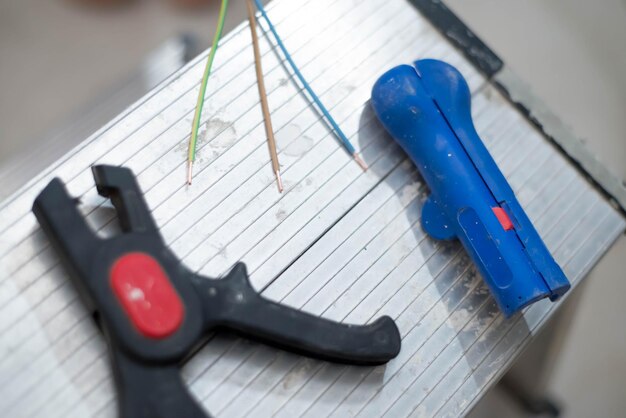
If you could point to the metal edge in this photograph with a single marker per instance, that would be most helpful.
(520, 95)
(537, 113)
(459, 35)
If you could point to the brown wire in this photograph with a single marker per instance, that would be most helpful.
(271, 141)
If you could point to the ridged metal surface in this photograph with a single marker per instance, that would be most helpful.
(340, 243)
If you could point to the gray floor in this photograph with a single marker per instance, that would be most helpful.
(57, 58)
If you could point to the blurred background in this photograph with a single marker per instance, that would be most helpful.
(67, 67)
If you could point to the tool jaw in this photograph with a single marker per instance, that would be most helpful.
(91, 260)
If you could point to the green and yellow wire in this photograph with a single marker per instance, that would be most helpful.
(193, 140)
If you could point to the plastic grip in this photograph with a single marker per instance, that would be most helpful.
(247, 312)
(426, 108)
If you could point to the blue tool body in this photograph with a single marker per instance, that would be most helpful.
(426, 109)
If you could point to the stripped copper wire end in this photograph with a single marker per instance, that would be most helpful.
(279, 181)
(189, 172)
(360, 161)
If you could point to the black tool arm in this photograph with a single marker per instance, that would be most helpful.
(65, 226)
(119, 184)
(151, 390)
(233, 303)
(59, 217)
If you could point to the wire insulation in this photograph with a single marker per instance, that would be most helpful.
(342, 137)
(269, 130)
(193, 140)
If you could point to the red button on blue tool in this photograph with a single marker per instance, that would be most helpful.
(503, 217)
(146, 294)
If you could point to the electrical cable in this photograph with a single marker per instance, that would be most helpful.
(342, 137)
(271, 141)
(193, 139)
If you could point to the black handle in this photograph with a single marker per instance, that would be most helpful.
(242, 309)
(151, 390)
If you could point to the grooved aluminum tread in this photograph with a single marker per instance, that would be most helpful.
(339, 243)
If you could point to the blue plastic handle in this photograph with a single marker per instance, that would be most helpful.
(426, 109)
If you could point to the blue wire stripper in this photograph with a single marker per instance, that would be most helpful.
(426, 109)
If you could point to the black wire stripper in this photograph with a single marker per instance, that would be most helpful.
(155, 312)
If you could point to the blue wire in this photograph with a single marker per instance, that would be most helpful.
(331, 121)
